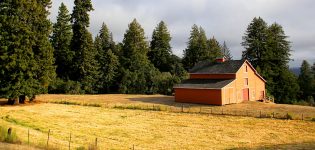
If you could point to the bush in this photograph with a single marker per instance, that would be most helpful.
(310, 100)
(289, 116)
(303, 103)
(60, 86)
(164, 82)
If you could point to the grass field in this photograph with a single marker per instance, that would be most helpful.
(167, 102)
(141, 129)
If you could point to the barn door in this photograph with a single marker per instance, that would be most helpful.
(246, 94)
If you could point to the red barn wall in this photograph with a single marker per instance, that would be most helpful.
(201, 96)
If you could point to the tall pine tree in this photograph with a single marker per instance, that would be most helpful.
(226, 52)
(214, 49)
(61, 38)
(267, 48)
(85, 67)
(137, 72)
(108, 61)
(197, 47)
(254, 41)
(306, 80)
(43, 50)
(26, 54)
(160, 48)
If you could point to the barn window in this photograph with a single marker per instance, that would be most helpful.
(246, 81)
(245, 68)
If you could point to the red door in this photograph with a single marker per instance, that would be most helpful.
(245, 94)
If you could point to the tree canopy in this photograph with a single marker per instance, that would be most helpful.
(60, 39)
(268, 50)
(26, 54)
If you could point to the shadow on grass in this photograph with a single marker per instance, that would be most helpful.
(292, 146)
(3, 101)
(165, 100)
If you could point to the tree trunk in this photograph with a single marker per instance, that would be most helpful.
(13, 101)
(33, 98)
(22, 99)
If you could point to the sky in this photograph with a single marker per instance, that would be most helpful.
(226, 20)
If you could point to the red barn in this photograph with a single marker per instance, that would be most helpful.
(221, 82)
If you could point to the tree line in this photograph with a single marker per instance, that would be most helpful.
(38, 56)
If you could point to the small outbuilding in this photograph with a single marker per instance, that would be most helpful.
(221, 82)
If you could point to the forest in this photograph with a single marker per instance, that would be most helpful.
(38, 56)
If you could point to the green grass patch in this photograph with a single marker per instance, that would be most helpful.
(6, 137)
(10, 119)
(138, 107)
(76, 103)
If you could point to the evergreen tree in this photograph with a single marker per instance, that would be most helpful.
(60, 40)
(254, 41)
(26, 67)
(137, 72)
(43, 50)
(306, 80)
(214, 49)
(226, 52)
(107, 59)
(160, 48)
(85, 67)
(197, 47)
(287, 87)
(267, 48)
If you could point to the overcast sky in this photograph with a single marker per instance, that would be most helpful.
(226, 20)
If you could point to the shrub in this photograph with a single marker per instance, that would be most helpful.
(310, 100)
(60, 86)
(303, 103)
(289, 116)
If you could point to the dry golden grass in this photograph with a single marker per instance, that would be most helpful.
(121, 129)
(7, 146)
(167, 102)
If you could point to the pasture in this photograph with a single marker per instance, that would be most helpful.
(144, 129)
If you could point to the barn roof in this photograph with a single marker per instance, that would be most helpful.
(204, 83)
(231, 66)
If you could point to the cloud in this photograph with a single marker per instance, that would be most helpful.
(227, 20)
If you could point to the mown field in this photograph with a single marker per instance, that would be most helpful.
(168, 103)
(143, 129)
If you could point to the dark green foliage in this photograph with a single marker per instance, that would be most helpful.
(85, 67)
(160, 48)
(43, 50)
(197, 47)
(306, 80)
(164, 82)
(135, 48)
(177, 68)
(226, 52)
(60, 86)
(137, 72)
(214, 49)
(60, 40)
(88, 67)
(254, 41)
(268, 50)
(27, 60)
(287, 88)
(108, 61)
